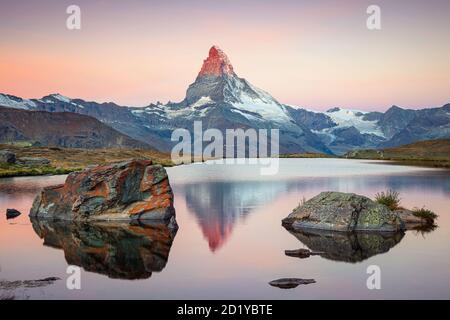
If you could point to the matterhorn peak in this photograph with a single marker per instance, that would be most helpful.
(217, 82)
(216, 64)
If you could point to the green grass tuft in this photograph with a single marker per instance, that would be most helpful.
(425, 214)
(390, 198)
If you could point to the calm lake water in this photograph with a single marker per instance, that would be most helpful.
(230, 241)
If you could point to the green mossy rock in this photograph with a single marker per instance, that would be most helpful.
(347, 212)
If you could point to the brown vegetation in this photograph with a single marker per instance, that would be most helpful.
(64, 160)
(434, 153)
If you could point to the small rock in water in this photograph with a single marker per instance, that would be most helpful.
(411, 221)
(300, 253)
(12, 213)
(337, 211)
(12, 285)
(290, 283)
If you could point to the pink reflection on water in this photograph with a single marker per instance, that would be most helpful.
(231, 243)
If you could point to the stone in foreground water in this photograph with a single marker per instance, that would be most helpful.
(337, 211)
(12, 213)
(290, 283)
(130, 190)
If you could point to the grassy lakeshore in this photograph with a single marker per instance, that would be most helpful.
(430, 153)
(306, 155)
(64, 160)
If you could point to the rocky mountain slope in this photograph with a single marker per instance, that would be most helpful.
(61, 129)
(221, 99)
(342, 130)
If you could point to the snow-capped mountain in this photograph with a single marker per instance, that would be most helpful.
(10, 101)
(342, 129)
(221, 99)
(353, 118)
(217, 82)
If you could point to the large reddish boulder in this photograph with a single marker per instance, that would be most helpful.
(131, 190)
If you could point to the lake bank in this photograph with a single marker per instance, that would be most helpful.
(429, 153)
(66, 160)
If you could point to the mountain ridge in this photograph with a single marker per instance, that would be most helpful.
(62, 129)
(221, 99)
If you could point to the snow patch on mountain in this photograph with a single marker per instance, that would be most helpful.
(138, 112)
(201, 102)
(190, 112)
(61, 98)
(267, 111)
(257, 101)
(247, 115)
(10, 101)
(326, 136)
(345, 118)
(77, 105)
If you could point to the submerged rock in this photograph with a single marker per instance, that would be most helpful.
(12, 285)
(411, 221)
(131, 190)
(290, 283)
(119, 250)
(347, 212)
(301, 253)
(347, 246)
(12, 213)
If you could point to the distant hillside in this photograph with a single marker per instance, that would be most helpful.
(61, 129)
(430, 152)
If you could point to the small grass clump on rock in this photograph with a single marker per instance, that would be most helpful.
(390, 198)
(425, 214)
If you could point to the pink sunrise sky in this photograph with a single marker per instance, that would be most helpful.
(315, 54)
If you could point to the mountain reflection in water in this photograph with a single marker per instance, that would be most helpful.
(117, 249)
(219, 205)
